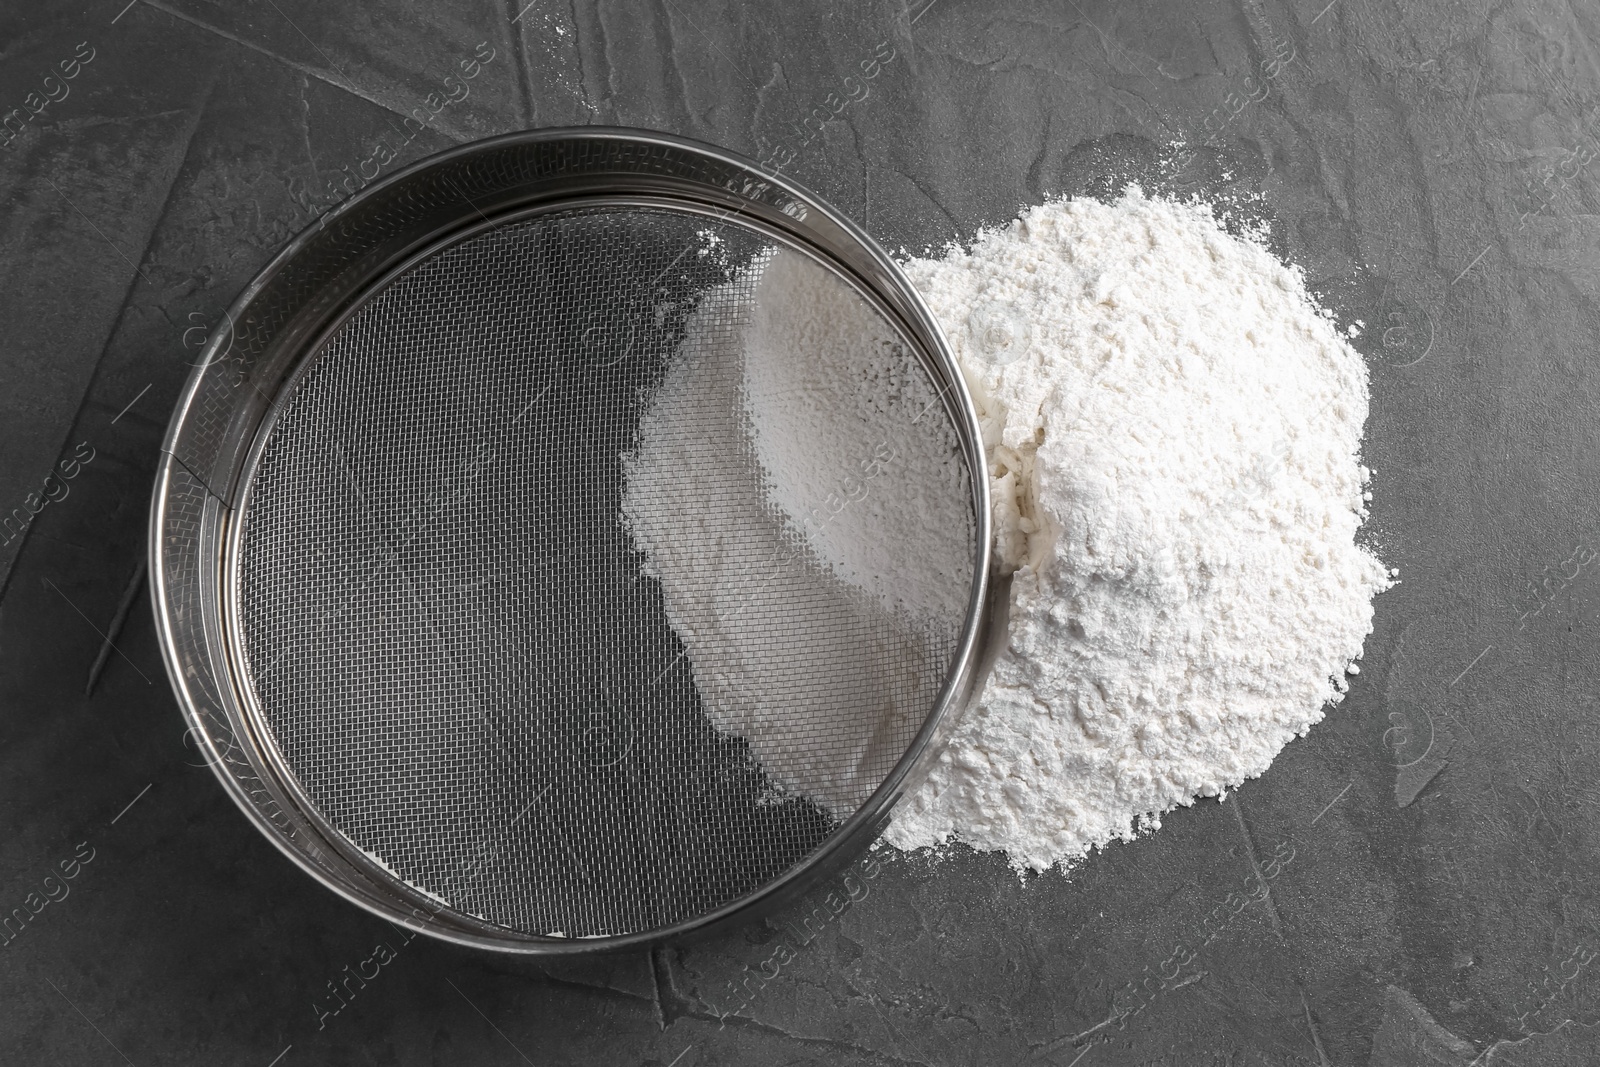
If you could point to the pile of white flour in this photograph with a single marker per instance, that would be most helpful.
(1173, 431)
(1173, 434)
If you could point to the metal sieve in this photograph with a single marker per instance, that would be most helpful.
(411, 622)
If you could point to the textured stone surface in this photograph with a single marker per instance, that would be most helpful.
(1430, 165)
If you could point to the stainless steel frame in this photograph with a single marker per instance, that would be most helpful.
(305, 292)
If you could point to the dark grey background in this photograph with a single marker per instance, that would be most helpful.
(1429, 164)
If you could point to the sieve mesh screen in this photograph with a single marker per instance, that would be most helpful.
(459, 649)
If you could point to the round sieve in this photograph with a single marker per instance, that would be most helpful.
(577, 538)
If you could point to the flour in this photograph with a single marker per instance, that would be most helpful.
(1173, 431)
(832, 398)
(771, 494)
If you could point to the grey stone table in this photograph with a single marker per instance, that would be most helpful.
(1430, 848)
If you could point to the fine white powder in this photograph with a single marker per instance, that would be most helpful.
(780, 437)
(833, 404)
(1173, 431)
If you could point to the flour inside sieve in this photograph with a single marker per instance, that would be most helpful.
(804, 484)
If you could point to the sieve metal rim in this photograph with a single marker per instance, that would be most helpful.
(233, 538)
(190, 564)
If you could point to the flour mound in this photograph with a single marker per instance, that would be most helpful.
(1173, 431)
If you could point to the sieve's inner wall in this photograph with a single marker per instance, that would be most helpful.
(445, 624)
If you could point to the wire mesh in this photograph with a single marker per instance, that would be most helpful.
(462, 654)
